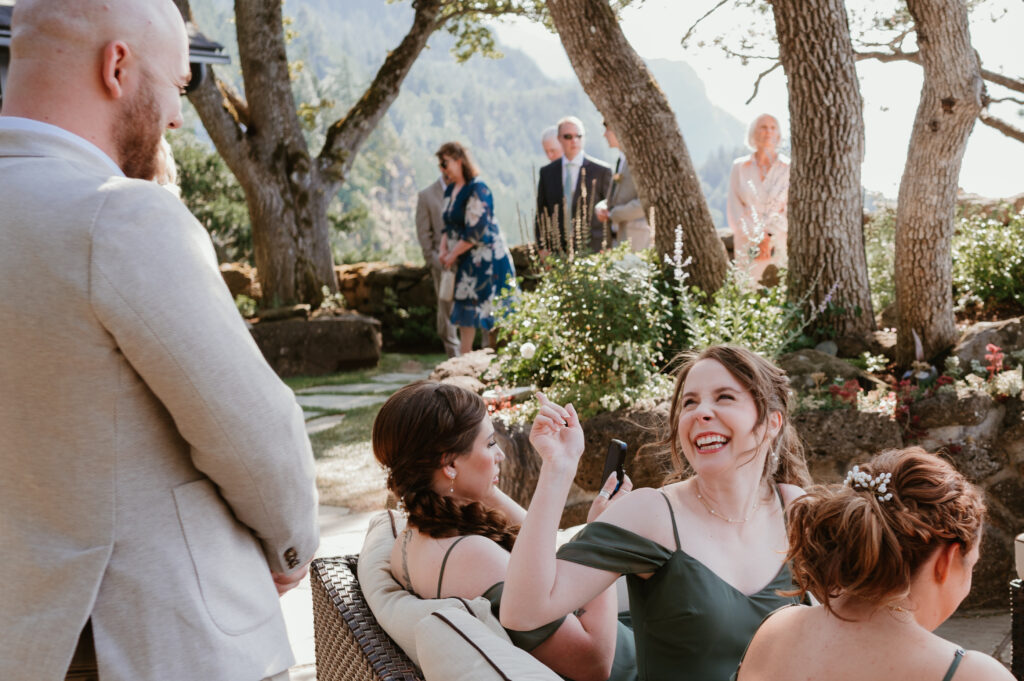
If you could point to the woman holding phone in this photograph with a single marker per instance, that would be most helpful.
(705, 554)
(439, 448)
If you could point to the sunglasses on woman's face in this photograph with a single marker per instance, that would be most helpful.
(570, 136)
(443, 163)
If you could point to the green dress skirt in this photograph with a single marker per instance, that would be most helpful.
(688, 623)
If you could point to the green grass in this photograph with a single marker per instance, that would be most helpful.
(347, 473)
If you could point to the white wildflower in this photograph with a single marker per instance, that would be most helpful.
(527, 350)
(1008, 383)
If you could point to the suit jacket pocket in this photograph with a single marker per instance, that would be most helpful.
(234, 579)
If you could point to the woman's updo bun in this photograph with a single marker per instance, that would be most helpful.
(854, 539)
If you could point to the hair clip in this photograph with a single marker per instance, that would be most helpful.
(879, 484)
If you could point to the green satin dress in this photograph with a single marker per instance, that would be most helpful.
(688, 623)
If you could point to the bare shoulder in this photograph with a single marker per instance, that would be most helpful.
(977, 666)
(790, 493)
(778, 632)
(474, 566)
(645, 512)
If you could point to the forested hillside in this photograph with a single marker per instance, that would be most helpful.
(497, 107)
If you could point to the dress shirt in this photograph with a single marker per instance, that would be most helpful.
(19, 124)
(574, 172)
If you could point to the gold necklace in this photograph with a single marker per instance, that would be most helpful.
(712, 511)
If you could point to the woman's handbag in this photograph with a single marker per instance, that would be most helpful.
(446, 289)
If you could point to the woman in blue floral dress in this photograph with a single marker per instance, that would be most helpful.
(472, 244)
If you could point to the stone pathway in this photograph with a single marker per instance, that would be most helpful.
(325, 405)
(341, 532)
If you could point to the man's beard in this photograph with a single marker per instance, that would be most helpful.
(137, 134)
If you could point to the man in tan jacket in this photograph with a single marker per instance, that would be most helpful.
(157, 480)
(429, 230)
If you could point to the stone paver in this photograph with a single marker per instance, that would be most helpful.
(988, 633)
(350, 388)
(403, 378)
(322, 423)
(339, 402)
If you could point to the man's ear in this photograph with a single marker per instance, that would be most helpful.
(115, 57)
(944, 560)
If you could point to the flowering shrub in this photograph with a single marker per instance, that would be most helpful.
(988, 261)
(593, 332)
(761, 319)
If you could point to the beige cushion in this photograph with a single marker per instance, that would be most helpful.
(452, 645)
(397, 610)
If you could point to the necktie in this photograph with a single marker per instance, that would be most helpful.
(567, 184)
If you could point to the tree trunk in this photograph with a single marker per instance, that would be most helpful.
(950, 103)
(260, 138)
(827, 262)
(625, 92)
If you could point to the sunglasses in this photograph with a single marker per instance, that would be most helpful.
(570, 136)
(443, 164)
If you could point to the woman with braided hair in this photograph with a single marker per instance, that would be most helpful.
(889, 555)
(439, 448)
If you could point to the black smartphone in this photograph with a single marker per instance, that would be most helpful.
(614, 460)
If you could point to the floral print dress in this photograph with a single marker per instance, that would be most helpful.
(485, 269)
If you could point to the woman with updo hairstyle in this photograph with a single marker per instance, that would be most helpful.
(704, 555)
(439, 448)
(888, 554)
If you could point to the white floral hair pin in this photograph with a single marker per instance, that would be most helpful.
(879, 484)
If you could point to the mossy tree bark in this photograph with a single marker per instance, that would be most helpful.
(826, 235)
(951, 100)
(624, 91)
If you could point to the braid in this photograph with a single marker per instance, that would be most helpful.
(439, 516)
(418, 430)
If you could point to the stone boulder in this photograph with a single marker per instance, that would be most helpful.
(326, 345)
(241, 279)
(835, 440)
(401, 296)
(801, 365)
(996, 209)
(472, 364)
(1008, 334)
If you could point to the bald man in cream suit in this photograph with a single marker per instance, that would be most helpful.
(157, 480)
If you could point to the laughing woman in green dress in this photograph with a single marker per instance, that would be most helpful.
(705, 554)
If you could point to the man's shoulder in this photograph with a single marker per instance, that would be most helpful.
(596, 164)
(552, 167)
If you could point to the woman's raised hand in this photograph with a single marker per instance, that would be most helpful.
(557, 434)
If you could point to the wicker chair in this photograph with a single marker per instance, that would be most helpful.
(350, 644)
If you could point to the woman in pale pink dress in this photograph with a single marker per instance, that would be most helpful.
(756, 208)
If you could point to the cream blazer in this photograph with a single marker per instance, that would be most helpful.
(154, 469)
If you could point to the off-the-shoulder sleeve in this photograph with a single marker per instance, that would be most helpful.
(610, 547)
(525, 640)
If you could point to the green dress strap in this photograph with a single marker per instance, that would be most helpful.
(957, 656)
(672, 515)
(444, 561)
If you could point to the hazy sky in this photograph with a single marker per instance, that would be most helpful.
(993, 164)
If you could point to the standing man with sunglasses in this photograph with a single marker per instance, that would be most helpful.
(158, 488)
(567, 192)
